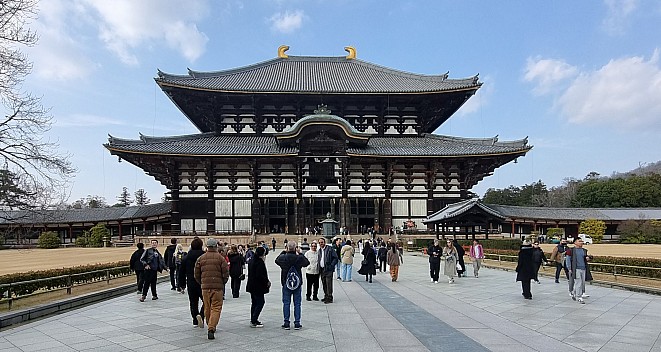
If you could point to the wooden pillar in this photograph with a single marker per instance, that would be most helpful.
(70, 233)
(175, 219)
(119, 225)
(513, 225)
(211, 202)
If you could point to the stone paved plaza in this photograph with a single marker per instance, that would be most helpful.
(411, 314)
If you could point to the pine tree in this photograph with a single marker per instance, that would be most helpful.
(124, 199)
(141, 197)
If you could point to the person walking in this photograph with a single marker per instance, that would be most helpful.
(477, 255)
(212, 273)
(177, 257)
(557, 256)
(153, 262)
(579, 270)
(187, 277)
(168, 256)
(434, 251)
(273, 242)
(327, 262)
(337, 247)
(290, 262)
(460, 257)
(538, 258)
(525, 269)
(394, 259)
(382, 254)
(137, 266)
(450, 257)
(368, 265)
(258, 285)
(236, 263)
(312, 273)
(346, 256)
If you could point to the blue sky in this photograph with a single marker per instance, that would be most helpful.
(581, 79)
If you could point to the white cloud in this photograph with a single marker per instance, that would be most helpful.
(625, 93)
(547, 73)
(287, 22)
(57, 55)
(618, 12)
(125, 25)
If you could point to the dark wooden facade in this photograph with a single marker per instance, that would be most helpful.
(271, 158)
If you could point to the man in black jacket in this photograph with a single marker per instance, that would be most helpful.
(137, 266)
(291, 279)
(169, 261)
(187, 277)
(435, 252)
(153, 262)
(327, 261)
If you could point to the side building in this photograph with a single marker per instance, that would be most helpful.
(286, 141)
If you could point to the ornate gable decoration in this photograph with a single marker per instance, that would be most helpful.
(322, 128)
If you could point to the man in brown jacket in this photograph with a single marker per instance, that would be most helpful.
(212, 273)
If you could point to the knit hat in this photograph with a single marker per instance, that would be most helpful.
(212, 242)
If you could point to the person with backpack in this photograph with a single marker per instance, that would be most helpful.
(558, 256)
(137, 266)
(382, 254)
(177, 258)
(290, 262)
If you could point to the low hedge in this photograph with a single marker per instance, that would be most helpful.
(57, 278)
(513, 244)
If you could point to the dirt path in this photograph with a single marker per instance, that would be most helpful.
(22, 260)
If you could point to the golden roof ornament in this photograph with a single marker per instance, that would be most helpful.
(281, 51)
(352, 52)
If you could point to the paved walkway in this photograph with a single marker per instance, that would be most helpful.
(411, 314)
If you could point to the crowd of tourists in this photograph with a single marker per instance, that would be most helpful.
(204, 273)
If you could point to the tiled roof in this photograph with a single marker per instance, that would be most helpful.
(84, 215)
(209, 144)
(541, 213)
(456, 209)
(305, 74)
(615, 214)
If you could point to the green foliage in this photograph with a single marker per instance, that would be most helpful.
(81, 241)
(141, 197)
(56, 278)
(124, 198)
(526, 195)
(49, 239)
(486, 244)
(595, 228)
(640, 231)
(94, 237)
(635, 191)
(555, 231)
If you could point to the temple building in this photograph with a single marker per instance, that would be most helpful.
(286, 141)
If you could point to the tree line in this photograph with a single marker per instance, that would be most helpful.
(123, 200)
(593, 191)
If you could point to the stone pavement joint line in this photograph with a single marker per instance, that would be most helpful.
(409, 315)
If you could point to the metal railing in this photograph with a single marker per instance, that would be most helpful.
(8, 291)
(615, 269)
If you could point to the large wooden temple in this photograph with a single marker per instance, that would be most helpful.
(286, 141)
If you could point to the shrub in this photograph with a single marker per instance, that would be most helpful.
(555, 231)
(594, 228)
(97, 235)
(49, 240)
(81, 241)
(55, 278)
(639, 231)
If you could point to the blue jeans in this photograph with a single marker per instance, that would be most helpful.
(346, 272)
(286, 304)
(337, 269)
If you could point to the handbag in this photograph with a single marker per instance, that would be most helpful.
(364, 262)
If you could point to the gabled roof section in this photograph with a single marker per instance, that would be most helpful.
(324, 119)
(456, 209)
(316, 74)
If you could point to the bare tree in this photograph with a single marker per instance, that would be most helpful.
(25, 152)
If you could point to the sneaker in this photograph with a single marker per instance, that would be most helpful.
(210, 335)
(557, 282)
(435, 282)
(339, 278)
(142, 299)
(154, 298)
(308, 299)
(581, 301)
(297, 326)
(259, 324)
(315, 298)
(285, 326)
(573, 297)
(172, 289)
(432, 280)
(476, 276)
(539, 282)
(585, 295)
(451, 281)
(200, 321)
